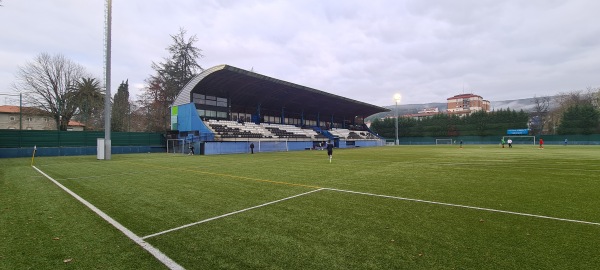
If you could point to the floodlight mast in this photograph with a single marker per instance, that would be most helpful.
(107, 96)
(397, 97)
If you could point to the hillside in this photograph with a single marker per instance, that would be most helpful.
(526, 104)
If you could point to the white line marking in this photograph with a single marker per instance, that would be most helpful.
(154, 251)
(229, 214)
(465, 206)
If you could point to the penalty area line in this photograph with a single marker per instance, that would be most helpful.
(152, 250)
(465, 206)
(229, 214)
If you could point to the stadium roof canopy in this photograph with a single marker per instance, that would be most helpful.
(247, 90)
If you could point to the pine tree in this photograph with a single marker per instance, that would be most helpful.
(579, 119)
(120, 108)
(171, 76)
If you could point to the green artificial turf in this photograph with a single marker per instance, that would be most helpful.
(329, 226)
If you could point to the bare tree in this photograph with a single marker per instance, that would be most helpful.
(540, 114)
(154, 102)
(139, 119)
(594, 94)
(564, 101)
(50, 84)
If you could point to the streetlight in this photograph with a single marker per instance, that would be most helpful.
(397, 97)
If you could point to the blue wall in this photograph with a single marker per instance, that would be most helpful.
(188, 120)
(216, 148)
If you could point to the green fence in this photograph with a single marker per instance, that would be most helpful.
(593, 139)
(54, 138)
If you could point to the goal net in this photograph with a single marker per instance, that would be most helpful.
(176, 146)
(443, 141)
(270, 146)
(520, 139)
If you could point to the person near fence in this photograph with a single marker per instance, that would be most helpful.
(251, 148)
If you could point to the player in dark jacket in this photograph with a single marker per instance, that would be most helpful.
(330, 150)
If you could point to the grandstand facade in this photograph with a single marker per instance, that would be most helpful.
(232, 107)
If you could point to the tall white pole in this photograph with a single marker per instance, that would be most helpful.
(397, 97)
(397, 140)
(107, 48)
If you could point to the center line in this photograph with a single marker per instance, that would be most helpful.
(229, 214)
(465, 206)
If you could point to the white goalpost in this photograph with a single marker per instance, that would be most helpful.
(176, 146)
(443, 141)
(269, 146)
(522, 139)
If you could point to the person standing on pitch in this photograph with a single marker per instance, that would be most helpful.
(502, 142)
(251, 148)
(541, 143)
(330, 150)
(191, 149)
(509, 143)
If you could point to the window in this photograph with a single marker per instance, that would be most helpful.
(211, 113)
(29, 119)
(221, 102)
(12, 118)
(221, 114)
(198, 99)
(210, 100)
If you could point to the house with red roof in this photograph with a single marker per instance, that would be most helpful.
(11, 117)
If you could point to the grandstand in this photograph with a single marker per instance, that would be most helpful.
(226, 105)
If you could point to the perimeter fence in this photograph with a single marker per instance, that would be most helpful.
(20, 143)
(593, 139)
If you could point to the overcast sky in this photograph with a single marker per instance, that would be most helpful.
(364, 50)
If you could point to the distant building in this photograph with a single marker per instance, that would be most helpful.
(424, 113)
(465, 104)
(33, 119)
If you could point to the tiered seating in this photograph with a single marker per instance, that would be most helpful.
(340, 132)
(233, 129)
(316, 135)
(320, 137)
(354, 136)
(369, 136)
(286, 131)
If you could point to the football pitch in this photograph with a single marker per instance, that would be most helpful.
(393, 207)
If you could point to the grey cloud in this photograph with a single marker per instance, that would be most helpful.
(365, 50)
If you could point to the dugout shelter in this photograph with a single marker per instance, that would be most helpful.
(235, 107)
